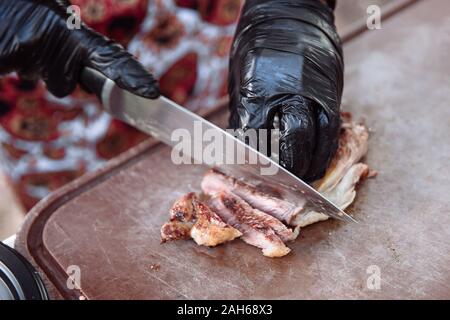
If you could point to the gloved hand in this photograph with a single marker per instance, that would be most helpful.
(36, 42)
(287, 60)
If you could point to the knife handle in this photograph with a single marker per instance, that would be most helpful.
(93, 80)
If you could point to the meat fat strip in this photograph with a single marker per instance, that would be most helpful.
(353, 145)
(342, 195)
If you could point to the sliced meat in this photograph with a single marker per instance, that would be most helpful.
(256, 230)
(238, 209)
(353, 145)
(342, 194)
(344, 172)
(182, 218)
(215, 181)
(183, 208)
(175, 230)
(191, 218)
(286, 234)
(209, 229)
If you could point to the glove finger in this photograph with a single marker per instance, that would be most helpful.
(326, 146)
(117, 64)
(62, 58)
(298, 135)
(252, 112)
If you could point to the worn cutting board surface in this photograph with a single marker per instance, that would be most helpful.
(397, 78)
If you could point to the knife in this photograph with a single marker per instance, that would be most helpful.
(161, 117)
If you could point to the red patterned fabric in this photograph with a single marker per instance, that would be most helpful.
(47, 142)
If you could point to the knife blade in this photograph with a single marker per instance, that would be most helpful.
(162, 117)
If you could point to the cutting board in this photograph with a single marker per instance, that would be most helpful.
(107, 223)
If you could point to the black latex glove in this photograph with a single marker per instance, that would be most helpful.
(36, 42)
(287, 60)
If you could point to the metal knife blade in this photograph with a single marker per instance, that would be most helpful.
(161, 117)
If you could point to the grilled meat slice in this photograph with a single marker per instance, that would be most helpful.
(286, 234)
(215, 181)
(256, 230)
(175, 230)
(191, 218)
(183, 209)
(209, 229)
(182, 219)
